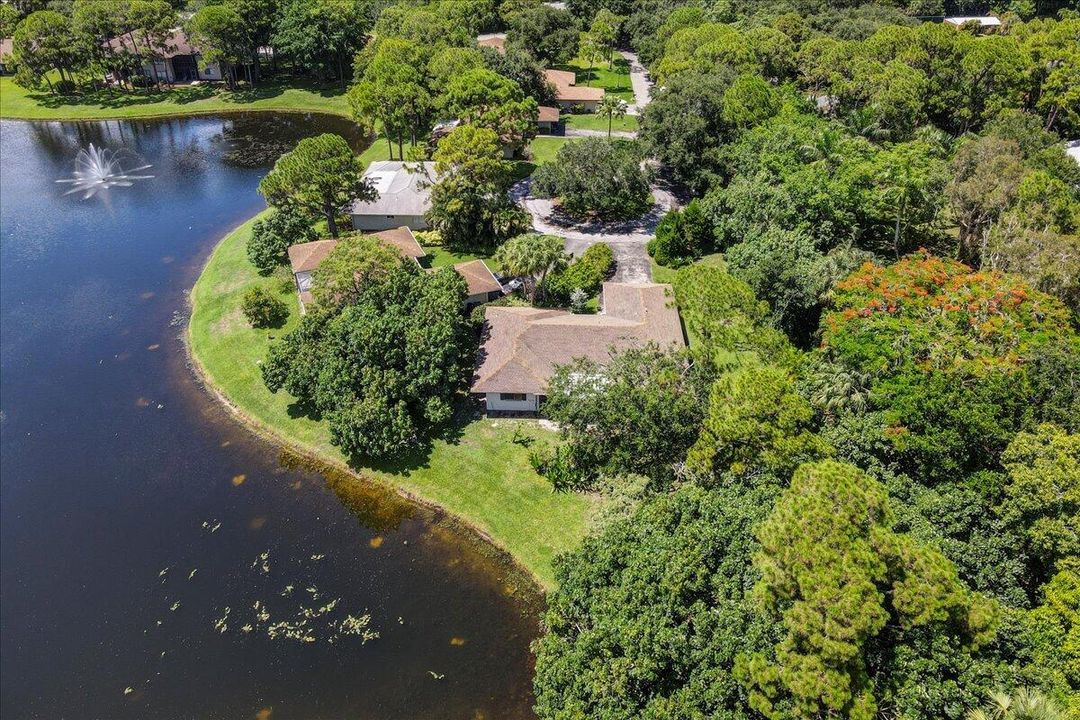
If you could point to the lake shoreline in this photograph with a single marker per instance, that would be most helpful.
(168, 107)
(291, 442)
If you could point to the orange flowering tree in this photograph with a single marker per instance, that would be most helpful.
(958, 360)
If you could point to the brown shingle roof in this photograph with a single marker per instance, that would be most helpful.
(560, 78)
(478, 277)
(497, 41)
(307, 256)
(523, 345)
(177, 44)
(548, 114)
(402, 240)
(565, 89)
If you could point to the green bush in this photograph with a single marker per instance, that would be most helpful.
(268, 246)
(64, 87)
(262, 309)
(681, 237)
(597, 177)
(141, 81)
(587, 273)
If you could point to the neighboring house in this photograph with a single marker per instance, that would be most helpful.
(180, 61)
(483, 285)
(547, 121)
(306, 257)
(5, 56)
(492, 40)
(569, 96)
(522, 345)
(403, 197)
(985, 23)
(1073, 149)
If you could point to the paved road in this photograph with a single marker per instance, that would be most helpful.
(639, 80)
(626, 239)
(583, 132)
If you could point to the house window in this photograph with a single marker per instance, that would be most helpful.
(512, 397)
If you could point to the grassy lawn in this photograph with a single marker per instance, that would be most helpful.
(627, 123)
(479, 475)
(664, 274)
(438, 256)
(18, 102)
(615, 81)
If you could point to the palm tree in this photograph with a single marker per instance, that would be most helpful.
(1023, 704)
(613, 107)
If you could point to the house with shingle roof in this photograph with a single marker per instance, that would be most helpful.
(523, 345)
(403, 196)
(304, 258)
(179, 63)
(569, 95)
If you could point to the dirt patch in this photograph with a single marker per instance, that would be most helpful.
(229, 323)
(228, 286)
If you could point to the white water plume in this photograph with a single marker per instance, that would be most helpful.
(97, 170)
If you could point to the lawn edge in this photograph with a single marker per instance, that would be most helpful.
(283, 440)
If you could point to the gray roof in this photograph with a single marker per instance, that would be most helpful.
(400, 192)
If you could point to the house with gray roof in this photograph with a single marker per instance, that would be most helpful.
(523, 345)
(403, 196)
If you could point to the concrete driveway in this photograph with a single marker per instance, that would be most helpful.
(626, 239)
(639, 80)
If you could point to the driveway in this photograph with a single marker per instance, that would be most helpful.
(639, 80)
(583, 132)
(626, 239)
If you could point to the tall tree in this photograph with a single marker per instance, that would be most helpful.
(469, 202)
(321, 176)
(321, 35)
(551, 35)
(611, 107)
(221, 35)
(44, 42)
(839, 576)
(532, 257)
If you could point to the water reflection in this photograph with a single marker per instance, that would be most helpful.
(116, 466)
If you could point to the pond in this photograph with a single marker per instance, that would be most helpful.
(157, 560)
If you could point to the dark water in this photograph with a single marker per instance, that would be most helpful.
(115, 468)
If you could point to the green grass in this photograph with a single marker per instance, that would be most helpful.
(18, 102)
(664, 274)
(615, 81)
(439, 256)
(627, 123)
(480, 475)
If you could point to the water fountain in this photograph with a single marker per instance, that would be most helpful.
(97, 170)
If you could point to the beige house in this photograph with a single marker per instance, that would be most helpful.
(306, 257)
(522, 345)
(983, 23)
(547, 120)
(492, 40)
(567, 93)
(403, 196)
(180, 61)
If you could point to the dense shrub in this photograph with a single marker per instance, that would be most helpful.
(682, 236)
(597, 177)
(271, 237)
(262, 309)
(587, 273)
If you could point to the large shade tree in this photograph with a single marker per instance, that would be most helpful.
(321, 176)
